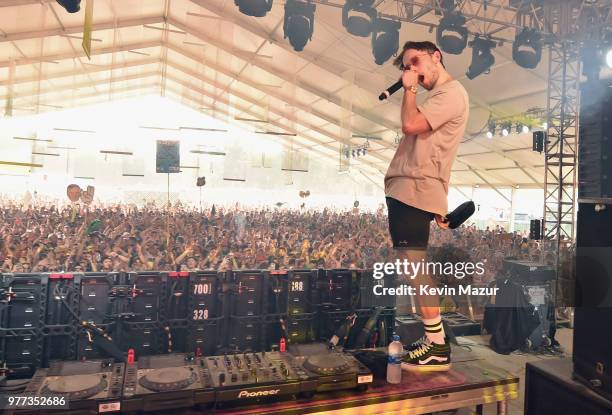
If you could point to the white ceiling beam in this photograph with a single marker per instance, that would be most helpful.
(35, 34)
(94, 69)
(88, 84)
(80, 54)
(104, 97)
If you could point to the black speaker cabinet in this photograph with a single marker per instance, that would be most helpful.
(168, 157)
(550, 390)
(595, 149)
(593, 315)
(535, 229)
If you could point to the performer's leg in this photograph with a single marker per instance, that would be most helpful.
(429, 305)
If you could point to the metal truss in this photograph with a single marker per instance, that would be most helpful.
(561, 146)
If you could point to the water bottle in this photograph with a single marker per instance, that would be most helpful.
(394, 363)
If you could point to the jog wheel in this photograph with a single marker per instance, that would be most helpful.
(75, 386)
(168, 379)
(327, 364)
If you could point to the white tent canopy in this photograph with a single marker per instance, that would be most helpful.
(206, 54)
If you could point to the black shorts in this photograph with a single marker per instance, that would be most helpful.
(408, 226)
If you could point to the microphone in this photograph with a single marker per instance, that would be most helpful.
(391, 90)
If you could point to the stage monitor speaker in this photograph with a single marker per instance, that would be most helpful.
(593, 314)
(168, 157)
(595, 149)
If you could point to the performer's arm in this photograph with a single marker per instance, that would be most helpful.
(413, 122)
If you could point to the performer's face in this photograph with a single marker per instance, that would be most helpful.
(425, 64)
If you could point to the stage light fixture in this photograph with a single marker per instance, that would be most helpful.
(491, 128)
(452, 35)
(358, 17)
(71, 6)
(385, 39)
(299, 23)
(254, 8)
(482, 58)
(525, 129)
(527, 48)
(506, 127)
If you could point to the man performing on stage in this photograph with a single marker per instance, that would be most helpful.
(416, 183)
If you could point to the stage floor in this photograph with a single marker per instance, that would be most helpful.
(513, 363)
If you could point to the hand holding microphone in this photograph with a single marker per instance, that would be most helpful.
(408, 79)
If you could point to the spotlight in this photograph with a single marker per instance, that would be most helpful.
(71, 6)
(359, 24)
(527, 48)
(385, 39)
(506, 127)
(255, 8)
(299, 23)
(491, 127)
(482, 58)
(451, 34)
(525, 129)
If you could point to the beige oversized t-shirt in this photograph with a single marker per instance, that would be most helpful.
(420, 170)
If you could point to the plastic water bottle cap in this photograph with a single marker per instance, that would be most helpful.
(395, 338)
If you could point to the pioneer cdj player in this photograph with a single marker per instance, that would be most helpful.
(334, 369)
(93, 385)
(166, 381)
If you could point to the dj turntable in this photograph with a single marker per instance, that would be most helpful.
(166, 381)
(89, 385)
(334, 369)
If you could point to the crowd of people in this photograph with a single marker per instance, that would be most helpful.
(127, 238)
